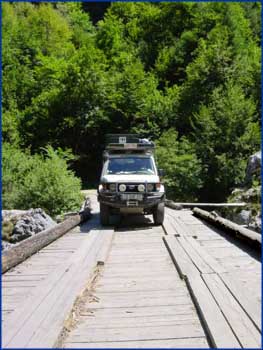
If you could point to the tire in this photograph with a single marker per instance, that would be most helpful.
(104, 214)
(158, 214)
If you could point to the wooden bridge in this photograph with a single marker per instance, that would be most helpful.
(135, 285)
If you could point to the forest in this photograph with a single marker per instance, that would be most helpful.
(186, 75)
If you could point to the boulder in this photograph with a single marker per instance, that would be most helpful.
(6, 245)
(31, 223)
(253, 166)
(256, 224)
(8, 215)
(243, 217)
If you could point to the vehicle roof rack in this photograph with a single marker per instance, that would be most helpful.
(128, 142)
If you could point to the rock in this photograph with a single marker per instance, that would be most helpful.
(12, 214)
(31, 223)
(256, 224)
(6, 245)
(252, 194)
(243, 217)
(250, 215)
(253, 166)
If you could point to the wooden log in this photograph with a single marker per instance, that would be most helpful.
(230, 226)
(33, 244)
(180, 205)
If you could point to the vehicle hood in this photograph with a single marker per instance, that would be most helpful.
(130, 178)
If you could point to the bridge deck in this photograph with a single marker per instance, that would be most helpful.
(188, 286)
(138, 299)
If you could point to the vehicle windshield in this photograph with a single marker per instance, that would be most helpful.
(130, 165)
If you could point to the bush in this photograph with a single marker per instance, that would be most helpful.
(31, 181)
(181, 165)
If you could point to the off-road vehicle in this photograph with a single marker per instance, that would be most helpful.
(130, 181)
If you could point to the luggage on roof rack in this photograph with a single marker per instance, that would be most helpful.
(128, 142)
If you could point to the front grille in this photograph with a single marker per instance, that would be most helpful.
(131, 188)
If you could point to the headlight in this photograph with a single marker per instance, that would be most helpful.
(122, 188)
(158, 187)
(150, 187)
(141, 188)
(102, 187)
(112, 187)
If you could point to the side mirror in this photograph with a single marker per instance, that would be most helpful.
(161, 172)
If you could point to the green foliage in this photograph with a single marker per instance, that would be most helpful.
(226, 135)
(7, 229)
(181, 165)
(144, 68)
(39, 181)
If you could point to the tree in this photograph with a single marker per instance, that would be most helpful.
(181, 165)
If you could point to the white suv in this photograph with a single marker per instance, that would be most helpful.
(130, 182)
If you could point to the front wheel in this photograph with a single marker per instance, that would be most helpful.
(104, 214)
(158, 214)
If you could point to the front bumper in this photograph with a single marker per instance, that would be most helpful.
(114, 200)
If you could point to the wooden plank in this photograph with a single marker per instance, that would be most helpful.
(181, 260)
(168, 226)
(249, 305)
(129, 282)
(147, 273)
(21, 278)
(139, 333)
(196, 342)
(141, 311)
(118, 322)
(64, 297)
(137, 287)
(138, 246)
(218, 329)
(140, 252)
(21, 284)
(140, 265)
(213, 263)
(15, 291)
(133, 302)
(198, 260)
(104, 252)
(238, 262)
(137, 322)
(218, 243)
(225, 252)
(137, 256)
(27, 318)
(137, 241)
(134, 260)
(220, 333)
(105, 296)
(244, 329)
(141, 278)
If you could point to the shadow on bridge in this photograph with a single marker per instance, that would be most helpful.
(242, 244)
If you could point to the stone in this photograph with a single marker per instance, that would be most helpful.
(12, 214)
(253, 166)
(256, 223)
(31, 223)
(6, 245)
(243, 217)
